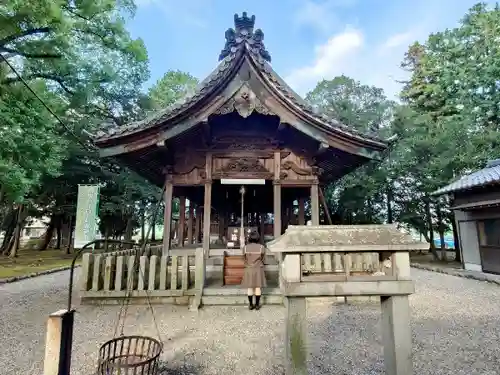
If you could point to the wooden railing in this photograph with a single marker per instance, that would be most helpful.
(162, 279)
(148, 250)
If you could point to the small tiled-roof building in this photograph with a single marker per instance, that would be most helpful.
(476, 205)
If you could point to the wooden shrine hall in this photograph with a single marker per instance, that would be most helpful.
(244, 149)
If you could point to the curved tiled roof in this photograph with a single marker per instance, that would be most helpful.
(486, 176)
(203, 89)
(242, 41)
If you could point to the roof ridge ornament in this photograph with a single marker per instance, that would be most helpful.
(244, 34)
(244, 101)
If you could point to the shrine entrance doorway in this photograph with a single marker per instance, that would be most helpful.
(242, 205)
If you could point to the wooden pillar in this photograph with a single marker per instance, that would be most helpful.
(314, 204)
(206, 217)
(262, 228)
(197, 226)
(325, 206)
(222, 221)
(277, 210)
(58, 343)
(182, 220)
(285, 216)
(190, 223)
(396, 335)
(226, 224)
(167, 217)
(302, 211)
(277, 195)
(207, 204)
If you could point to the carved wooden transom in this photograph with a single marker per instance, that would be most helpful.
(242, 165)
(244, 102)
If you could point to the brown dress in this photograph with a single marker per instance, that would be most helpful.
(254, 276)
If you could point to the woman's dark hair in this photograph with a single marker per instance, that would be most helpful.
(253, 237)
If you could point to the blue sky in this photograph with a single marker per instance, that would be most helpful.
(308, 39)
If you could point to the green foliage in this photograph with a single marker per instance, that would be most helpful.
(358, 197)
(29, 141)
(81, 49)
(361, 107)
(447, 125)
(453, 105)
(171, 87)
(81, 61)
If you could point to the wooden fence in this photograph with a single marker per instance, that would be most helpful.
(108, 278)
(149, 250)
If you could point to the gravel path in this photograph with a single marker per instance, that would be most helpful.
(456, 330)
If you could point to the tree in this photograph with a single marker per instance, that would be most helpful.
(81, 49)
(173, 86)
(361, 107)
(453, 95)
(82, 63)
(360, 197)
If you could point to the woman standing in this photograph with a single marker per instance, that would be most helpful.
(254, 278)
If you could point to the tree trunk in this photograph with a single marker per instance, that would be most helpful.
(49, 234)
(456, 240)
(390, 218)
(441, 232)
(129, 230)
(70, 234)
(106, 238)
(430, 228)
(17, 233)
(2, 194)
(153, 223)
(143, 225)
(59, 235)
(10, 221)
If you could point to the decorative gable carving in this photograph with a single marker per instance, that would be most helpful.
(245, 101)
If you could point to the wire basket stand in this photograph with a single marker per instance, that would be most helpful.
(129, 355)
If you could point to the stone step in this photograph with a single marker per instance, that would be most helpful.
(236, 291)
(267, 299)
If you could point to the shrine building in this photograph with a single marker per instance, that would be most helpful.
(244, 149)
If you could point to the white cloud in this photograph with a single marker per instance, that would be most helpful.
(372, 54)
(331, 58)
(397, 40)
(349, 53)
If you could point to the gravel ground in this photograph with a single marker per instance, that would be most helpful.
(456, 330)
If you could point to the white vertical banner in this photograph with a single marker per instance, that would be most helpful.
(86, 215)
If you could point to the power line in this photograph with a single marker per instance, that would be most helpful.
(68, 130)
(143, 247)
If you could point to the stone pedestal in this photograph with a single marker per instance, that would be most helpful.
(296, 336)
(396, 334)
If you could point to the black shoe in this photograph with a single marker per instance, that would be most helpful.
(257, 302)
(251, 306)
